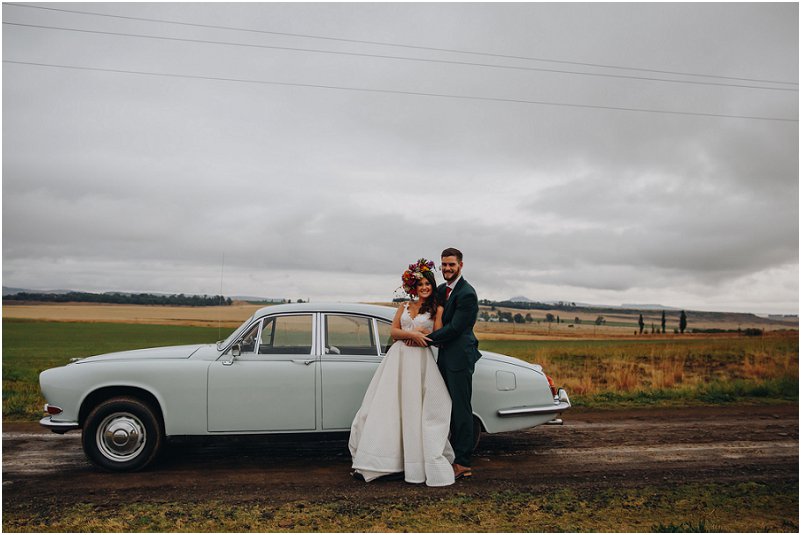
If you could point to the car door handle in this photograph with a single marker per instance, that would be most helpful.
(301, 361)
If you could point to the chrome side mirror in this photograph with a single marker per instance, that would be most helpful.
(236, 350)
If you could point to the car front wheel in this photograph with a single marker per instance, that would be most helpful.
(122, 434)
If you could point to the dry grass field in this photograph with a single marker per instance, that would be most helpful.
(226, 316)
(617, 325)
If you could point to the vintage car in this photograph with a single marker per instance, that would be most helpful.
(297, 368)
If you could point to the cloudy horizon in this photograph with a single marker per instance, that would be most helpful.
(319, 168)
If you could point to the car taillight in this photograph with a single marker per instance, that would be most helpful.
(52, 409)
(553, 386)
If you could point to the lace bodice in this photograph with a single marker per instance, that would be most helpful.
(421, 320)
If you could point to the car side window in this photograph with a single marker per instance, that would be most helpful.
(248, 343)
(288, 335)
(384, 335)
(349, 335)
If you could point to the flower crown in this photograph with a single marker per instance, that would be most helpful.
(414, 274)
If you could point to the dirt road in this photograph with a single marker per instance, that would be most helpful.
(592, 449)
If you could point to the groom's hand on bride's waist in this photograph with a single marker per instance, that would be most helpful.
(416, 338)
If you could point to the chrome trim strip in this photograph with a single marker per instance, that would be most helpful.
(561, 403)
(523, 411)
(58, 427)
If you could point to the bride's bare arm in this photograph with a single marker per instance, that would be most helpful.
(396, 331)
(438, 318)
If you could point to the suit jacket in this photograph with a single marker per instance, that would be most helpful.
(458, 347)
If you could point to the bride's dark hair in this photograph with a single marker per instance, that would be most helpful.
(430, 304)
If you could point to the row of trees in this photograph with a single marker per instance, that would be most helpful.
(529, 305)
(528, 318)
(123, 298)
(600, 320)
(682, 323)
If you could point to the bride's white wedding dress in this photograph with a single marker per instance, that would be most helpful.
(404, 420)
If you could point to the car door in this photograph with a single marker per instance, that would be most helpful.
(353, 348)
(271, 385)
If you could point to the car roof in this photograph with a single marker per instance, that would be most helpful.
(344, 308)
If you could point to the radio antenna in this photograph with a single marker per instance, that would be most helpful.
(219, 316)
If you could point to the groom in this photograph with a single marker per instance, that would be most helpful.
(458, 353)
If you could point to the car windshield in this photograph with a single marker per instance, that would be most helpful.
(234, 335)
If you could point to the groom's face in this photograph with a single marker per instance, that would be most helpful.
(451, 268)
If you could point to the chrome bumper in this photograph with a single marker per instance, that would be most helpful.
(58, 427)
(561, 403)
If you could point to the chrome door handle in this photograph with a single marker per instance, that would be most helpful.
(301, 361)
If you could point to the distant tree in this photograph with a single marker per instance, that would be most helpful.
(600, 320)
(682, 322)
(641, 323)
(529, 317)
(519, 318)
(558, 319)
(123, 298)
(577, 320)
(653, 329)
(663, 322)
(549, 317)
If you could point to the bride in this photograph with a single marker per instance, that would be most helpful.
(404, 420)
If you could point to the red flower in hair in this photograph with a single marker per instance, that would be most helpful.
(414, 274)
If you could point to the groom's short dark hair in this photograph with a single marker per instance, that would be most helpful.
(452, 251)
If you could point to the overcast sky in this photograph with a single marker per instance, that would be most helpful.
(135, 182)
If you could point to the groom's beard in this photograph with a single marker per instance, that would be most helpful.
(452, 276)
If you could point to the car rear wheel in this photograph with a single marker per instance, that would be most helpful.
(122, 434)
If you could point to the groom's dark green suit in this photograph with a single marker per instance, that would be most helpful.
(458, 353)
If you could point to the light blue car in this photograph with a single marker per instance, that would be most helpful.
(297, 368)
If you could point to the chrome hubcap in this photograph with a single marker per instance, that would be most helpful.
(121, 437)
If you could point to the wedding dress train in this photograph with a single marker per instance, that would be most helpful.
(404, 420)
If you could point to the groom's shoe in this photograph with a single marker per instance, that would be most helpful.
(460, 471)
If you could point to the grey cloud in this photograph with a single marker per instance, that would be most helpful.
(126, 182)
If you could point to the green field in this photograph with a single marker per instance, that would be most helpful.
(598, 373)
(30, 347)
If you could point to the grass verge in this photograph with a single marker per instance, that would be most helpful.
(740, 507)
(621, 373)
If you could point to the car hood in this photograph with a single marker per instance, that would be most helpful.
(170, 352)
(497, 357)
